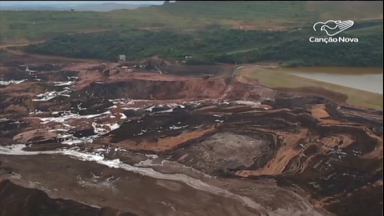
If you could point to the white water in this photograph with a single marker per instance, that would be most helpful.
(11, 82)
(250, 103)
(50, 95)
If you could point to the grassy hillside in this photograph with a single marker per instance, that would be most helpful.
(290, 48)
(285, 80)
(352, 10)
(105, 7)
(376, 29)
(65, 7)
(298, 52)
(35, 25)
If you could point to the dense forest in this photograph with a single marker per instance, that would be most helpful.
(367, 52)
(291, 48)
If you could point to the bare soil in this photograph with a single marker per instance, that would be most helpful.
(88, 136)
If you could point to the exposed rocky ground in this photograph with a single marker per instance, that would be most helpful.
(113, 139)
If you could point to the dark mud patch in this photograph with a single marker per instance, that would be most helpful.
(59, 76)
(224, 151)
(46, 67)
(99, 185)
(15, 75)
(9, 128)
(18, 200)
(161, 125)
(195, 70)
(90, 106)
(319, 91)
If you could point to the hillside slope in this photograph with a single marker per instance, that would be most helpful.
(353, 10)
(273, 15)
(225, 46)
(82, 7)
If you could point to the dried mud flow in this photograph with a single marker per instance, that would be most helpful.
(155, 139)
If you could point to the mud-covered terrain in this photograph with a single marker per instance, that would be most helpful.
(113, 139)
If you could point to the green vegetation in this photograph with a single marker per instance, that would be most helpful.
(378, 29)
(4, 54)
(290, 48)
(367, 52)
(205, 30)
(354, 10)
(36, 25)
(137, 44)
